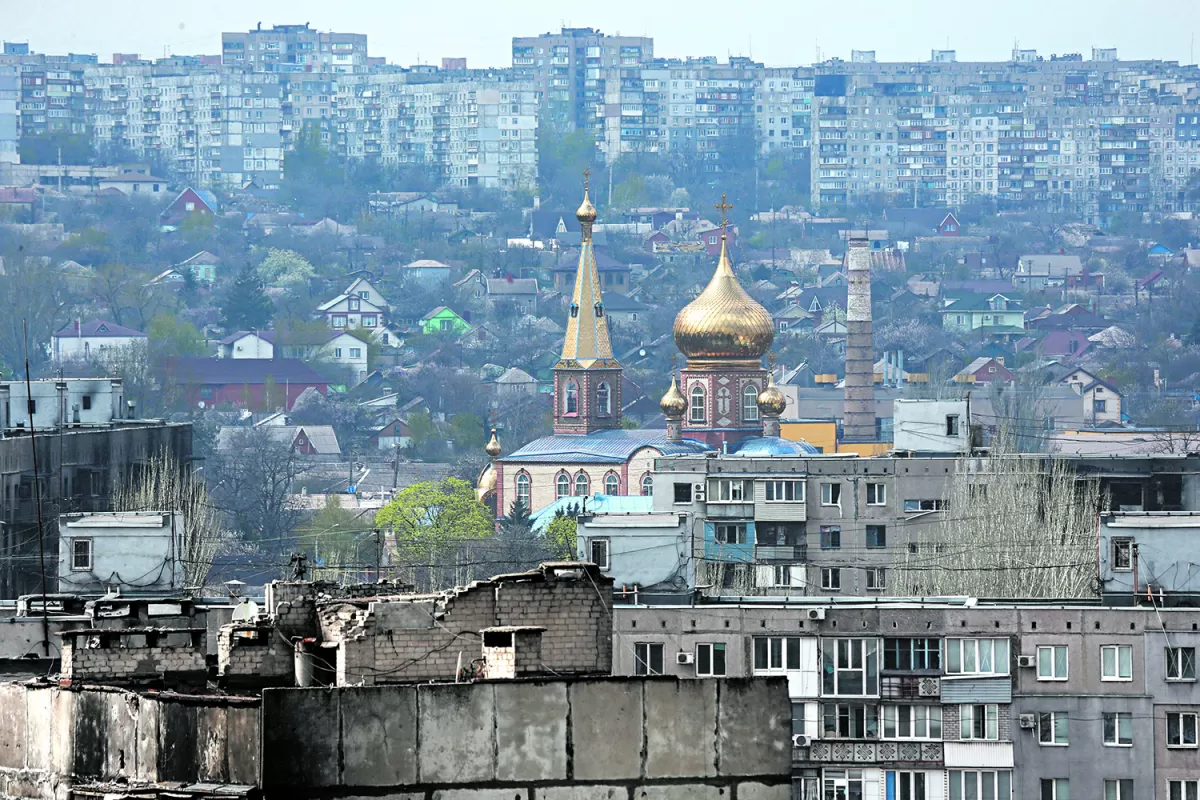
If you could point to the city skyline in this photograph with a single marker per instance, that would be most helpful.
(1166, 31)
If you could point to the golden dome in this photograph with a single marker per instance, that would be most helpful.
(586, 213)
(673, 403)
(771, 402)
(724, 321)
(486, 482)
(492, 448)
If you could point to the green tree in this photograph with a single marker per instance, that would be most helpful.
(333, 537)
(169, 336)
(55, 148)
(421, 429)
(285, 268)
(560, 537)
(562, 158)
(246, 306)
(427, 523)
(466, 431)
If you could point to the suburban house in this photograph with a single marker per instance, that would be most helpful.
(521, 292)
(337, 348)
(16, 204)
(305, 440)
(472, 286)
(247, 344)
(359, 306)
(389, 437)
(984, 370)
(516, 381)
(978, 312)
(551, 226)
(1063, 344)
(426, 271)
(189, 201)
(251, 383)
(443, 319)
(203, 266)
(87, 340)
(134, 185)
(392, 204)
(1035, 272)
(1101, 399)
(624, 310)
(910, 222)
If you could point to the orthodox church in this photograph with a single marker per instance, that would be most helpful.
(723, 397)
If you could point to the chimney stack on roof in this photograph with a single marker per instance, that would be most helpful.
(858, 415)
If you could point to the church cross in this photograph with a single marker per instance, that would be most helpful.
(723, 207)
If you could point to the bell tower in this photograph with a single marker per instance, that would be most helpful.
(587, 377)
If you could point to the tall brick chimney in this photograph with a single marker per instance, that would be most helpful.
(858, 414)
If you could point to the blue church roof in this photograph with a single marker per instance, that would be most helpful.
(596, 504)
(601, 447)
(774, 446)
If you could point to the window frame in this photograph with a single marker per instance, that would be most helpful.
(781, 650)
(841, 658)
(750, 403)
(774, 487)
(646, 485)
(827, 492)
(559, 491)
(582, 481)
(913, 649)
(728, 490)
(1048, 724)
(1053, 784)
(831, 579)
(880, 537)
(989, 722)
(1118, 790)
(830, 537)
(1120, 720)
(696, 404)
(91, 554)
(958, 642)
(891, 716)
(875, 579)
(851, 720)
(524, 486)
(1177, 789)
(603, 541)
(610, 480)
(876, 494)
(1116, 545)
(571, 398)
(741, 529)
(1117, 649)
(1195, 718)
(1053, 662)
(603, 399)
(1174, 656)
(712, 648)
(644, 655)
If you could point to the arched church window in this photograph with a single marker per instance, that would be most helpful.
(612, 483)
(582, 486)
(523, 488)
(571, 398)
(603, 399)
(647, 485)
(750, 403)
(697, 414)
(562, 485)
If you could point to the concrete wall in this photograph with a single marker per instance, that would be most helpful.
(54, 737)
(560, 740)
(145, 548)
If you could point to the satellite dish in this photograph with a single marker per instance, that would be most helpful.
(200, 404)
(245, 612)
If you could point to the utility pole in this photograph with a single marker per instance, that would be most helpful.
(37, 490)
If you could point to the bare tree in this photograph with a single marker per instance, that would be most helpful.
(1020, 421)
(255, 473)
(1012, 526)
(163, 486)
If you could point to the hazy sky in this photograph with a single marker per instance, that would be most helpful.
(777, 32)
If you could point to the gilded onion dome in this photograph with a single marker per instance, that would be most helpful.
(724, 322)
(771, 402)
(673, 403)
(586, 213)
(492, 448)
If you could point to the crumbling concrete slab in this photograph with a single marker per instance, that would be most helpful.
(458, 733)
(291, 760)
(754, 727)
(13, 729)
(531, 737)
(606, 730)
(687, 747)
(763, 791)
(379, 736)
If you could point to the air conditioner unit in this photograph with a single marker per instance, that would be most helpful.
(1026, 662)
(684, 658)
(800, 740)
(816, 613)
(1027, 721)
(698, 492)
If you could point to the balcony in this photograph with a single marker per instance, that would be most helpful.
(789, 553)
(870, 752)
(909, 687)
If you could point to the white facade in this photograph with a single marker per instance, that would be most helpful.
(129, 551)
(250, 345)
(86, 348)
(71, 401)
(931, 426)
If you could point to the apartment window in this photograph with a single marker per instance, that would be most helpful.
(849, 721)
(912, 654)
(1118, 789)
(1052, 728)
(876, 494)
(1052, 663)
(850, 667)
(785, 491)
(909, 785)
(599, 552)
(985, 784)
(923, 505)
(776, 653)
(912, 722)
(831, 579)
(1055, 789)
(876, 536)
(1116, 662)
(876, 578)
(977, 656)
(710, 659)
(1181, 663)
(731, 533)
(81, 555)
(831, 494)
(1183, 790)
(682, 492)
(979, 722)
(648, 658)
(952, 419)
(1122, 555)
(1181, 729)
(727, 491)
(1118, 728)
(831, 537)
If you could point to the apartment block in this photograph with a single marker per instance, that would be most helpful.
(295, 48)
(951, 699)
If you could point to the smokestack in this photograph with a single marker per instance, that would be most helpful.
(858, 414)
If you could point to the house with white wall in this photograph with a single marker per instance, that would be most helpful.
(83, 341)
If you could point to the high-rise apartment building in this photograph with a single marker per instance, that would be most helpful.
(571, 71)
(295, 48)
(10, 117)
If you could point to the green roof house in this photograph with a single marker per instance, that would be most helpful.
(443, 319)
